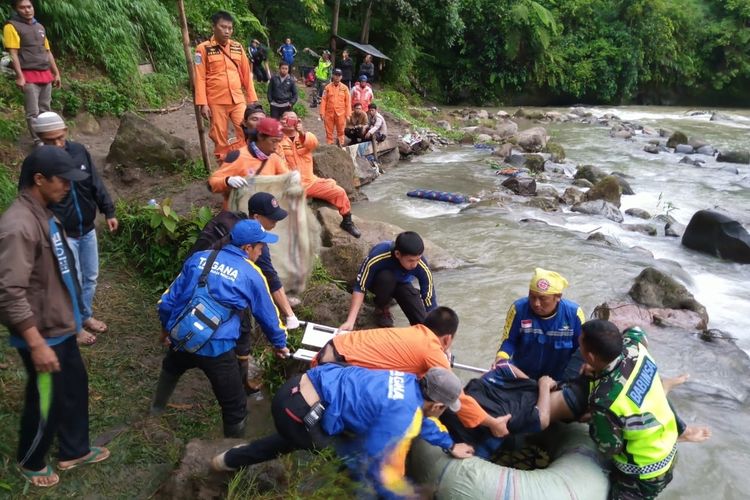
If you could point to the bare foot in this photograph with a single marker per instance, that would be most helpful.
(85, 338)
(671, 383)
(695, 434)
(95, 325)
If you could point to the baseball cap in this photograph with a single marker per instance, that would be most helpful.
(270, 127)
(337, 71)
(362, 78)
(265, 204)
(442, 386)
(49, 161)
(248, 231)
(47, 122)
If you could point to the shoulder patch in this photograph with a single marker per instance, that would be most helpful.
(198, 58)
(231, 156)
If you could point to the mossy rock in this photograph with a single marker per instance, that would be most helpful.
(535, 163)
(556, 152)
(591, 173)
(653, 288)
(677, 138)
(607, 189)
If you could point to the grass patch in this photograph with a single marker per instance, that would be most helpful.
(8, 187)
(123, 366)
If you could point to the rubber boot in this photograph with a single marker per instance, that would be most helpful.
(164, 389)
(235, 430)
(347, 224)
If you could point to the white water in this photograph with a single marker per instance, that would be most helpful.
(502, 252)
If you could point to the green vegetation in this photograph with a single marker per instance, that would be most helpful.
(154, 240)
(8, 188)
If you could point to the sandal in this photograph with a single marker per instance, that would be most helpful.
(85, 338)
(36, 477)
(97, 454)
(95, 326)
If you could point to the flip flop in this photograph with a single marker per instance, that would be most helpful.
(86, 338)
(31, 475)
(97, 454)
(95, 326)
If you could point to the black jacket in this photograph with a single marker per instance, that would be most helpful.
(347, 69)
(77, 211)
(282, 92)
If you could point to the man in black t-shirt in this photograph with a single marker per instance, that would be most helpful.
(259, 58)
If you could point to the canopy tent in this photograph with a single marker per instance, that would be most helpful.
(367, 49)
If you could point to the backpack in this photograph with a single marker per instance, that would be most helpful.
(201, 317)
(216, 232)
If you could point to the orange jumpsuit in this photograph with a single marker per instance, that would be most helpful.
(243, 163)
(414, 349)
(220, 74)
(298, 154)
(335, 108)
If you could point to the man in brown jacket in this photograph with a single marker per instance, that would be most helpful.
(40, 301)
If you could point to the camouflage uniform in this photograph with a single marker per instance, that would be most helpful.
(606, 428)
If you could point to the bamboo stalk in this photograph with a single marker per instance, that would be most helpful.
(191, 76)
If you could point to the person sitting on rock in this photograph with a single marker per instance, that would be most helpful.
(235, 282)
(356, 125)
(414, 349)
(387, 272)
(378, 130)
(298, 147)
(362, 93)
(541, 330)
(258, 158)
(370, 417)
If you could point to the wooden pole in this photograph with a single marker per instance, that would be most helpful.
(335, 30)
(191, 76)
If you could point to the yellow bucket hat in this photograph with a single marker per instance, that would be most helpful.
(547, 282)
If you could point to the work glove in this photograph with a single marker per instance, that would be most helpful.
(292, 322)
(236, 182)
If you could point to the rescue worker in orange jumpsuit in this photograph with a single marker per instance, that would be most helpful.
(222, 69)
(298, 147)
(335, 108)
(258, 158)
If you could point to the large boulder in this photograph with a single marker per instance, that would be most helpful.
(333, 162)
(591, 173)
(506, 128)
(742, 157)
(599, 207)
(626, 315)
(624, 184)
(653, 288)
(532, 140)
(607, 189)
(677, 138)
(344, 254)
(556, 152)
(140, 144)
(717, 234)
(329, 304)
(524, 186)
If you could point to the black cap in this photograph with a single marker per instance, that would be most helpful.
(337, 71)
(265, 204)
(49, 161)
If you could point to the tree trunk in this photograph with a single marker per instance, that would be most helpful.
(335, 29)
(365, 36)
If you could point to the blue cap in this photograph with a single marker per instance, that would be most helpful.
(362, 78)
(248, 232)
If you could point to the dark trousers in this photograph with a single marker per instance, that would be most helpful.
(288, 409)
(277, 111)
(385, 287)
(627, 487)
(68, 417)
(223, 373)
(259, 73)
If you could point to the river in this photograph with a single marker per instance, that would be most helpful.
(501, 252)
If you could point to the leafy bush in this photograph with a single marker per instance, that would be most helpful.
(154, 239)
(8, 188)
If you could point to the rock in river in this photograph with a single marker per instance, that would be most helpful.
(599, 207)
(717, 234)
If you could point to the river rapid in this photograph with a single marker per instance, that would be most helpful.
(501, 252)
